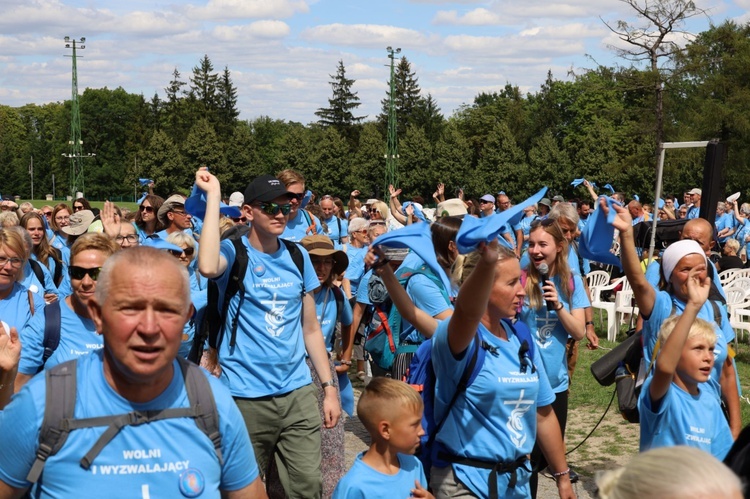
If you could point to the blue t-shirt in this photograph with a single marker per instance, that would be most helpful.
(725, 221)
(338, 229)
(362, 295)
(525, 226)
(296, 227)
(156, 458)
(356, 268)
(684, 419)
(269, 356)
(549, 333)
(32, 282)
(495, 420)
(364, 482)
(327, 311)
(693, 212)
(15, 310)
(78, 337)
(663, 306)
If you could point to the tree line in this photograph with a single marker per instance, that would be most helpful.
(599, 124)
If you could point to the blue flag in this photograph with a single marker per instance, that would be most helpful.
(597, 236)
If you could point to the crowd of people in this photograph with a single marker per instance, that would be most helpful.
(281, 294)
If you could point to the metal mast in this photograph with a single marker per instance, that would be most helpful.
(76, 144)
(391, 155)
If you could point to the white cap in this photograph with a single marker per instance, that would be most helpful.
(236, 199)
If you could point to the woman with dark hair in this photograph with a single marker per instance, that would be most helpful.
(146, 219)
(552, 309)
(81, 204)
(42, 251)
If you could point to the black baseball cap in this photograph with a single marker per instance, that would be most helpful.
(266, 188)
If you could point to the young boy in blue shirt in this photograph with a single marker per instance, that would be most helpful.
(391, 411)
(675, 406)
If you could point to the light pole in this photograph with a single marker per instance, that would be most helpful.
(391, 155)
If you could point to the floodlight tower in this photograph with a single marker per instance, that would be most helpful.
(76, 144)
(391, 155)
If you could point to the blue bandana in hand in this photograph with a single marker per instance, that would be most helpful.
(474, 231)
(418, 238)
(196, 206)
(596, 238)
(609, 186)
(144, 181)
(417, 212)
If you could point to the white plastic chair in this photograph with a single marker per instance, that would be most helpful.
(740, 282)
(624, 305)
(596, 279)
(726, 276)
(607, 306)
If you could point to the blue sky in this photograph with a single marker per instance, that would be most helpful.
(281, 52)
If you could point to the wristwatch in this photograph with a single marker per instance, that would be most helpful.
(327, 383)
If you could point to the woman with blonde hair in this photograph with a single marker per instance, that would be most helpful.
(17, 303)
(670, 473)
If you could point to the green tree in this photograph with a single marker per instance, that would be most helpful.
(406, 99)
(415, 172)
(327, 173)
(296, 151)
(548, 162)
(204, 85)
(428, 117)
(163, 163)
(203, 148)
(175, 120)
(341, 106)
(367, 169)
(452, 160)
(269, 136)
(227, 104)
(243, 161)
(501, 165)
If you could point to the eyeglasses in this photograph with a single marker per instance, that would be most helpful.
(15, 262)
(78, 273)
(180, 212)
(62, 219)
(77, 207)
(484, 201)
(147, 209)
(273, 209)
(131, 238)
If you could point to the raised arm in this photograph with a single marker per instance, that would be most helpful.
(395, 205)
(472, 300)
(671, 350)
(645, 294)
(421, 320)
(210, 262)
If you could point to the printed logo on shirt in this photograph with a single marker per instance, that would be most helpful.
(544, 332)
(515, 420)
(191, 483)
(698, 435)
(275, 315)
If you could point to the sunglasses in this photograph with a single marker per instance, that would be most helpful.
(179, 212)
(147, 209)
(47, 213)
(273, 209)
(77, 207)
(79, 273)
(544, 222)
(242, 220)
(298, 197)
(188, 252)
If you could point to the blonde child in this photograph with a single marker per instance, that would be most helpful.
(675, 406)
(391, 411)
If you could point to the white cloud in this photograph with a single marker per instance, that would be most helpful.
(247, 9)
(366, 35)
(258, 29)
(476, 17)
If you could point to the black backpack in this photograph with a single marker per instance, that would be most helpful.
(212, 325)
(59, 410)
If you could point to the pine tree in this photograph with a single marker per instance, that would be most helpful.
(339, 113)
(203, 85)
(226, 104)
(406, 88)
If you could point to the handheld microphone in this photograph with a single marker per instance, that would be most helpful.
(543, 270)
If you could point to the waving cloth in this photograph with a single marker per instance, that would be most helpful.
(196, 206)
(418, 238)
(596, 238)
(483, 230)
(144, 181)
(609, 186)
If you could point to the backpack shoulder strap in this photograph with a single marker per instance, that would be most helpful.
(526, 351)
(52, 321)
(341, 236)
(310, 223)
(297, 258)
(36, 267)
(235, 285)
(718, 316)
(201, 397)
(57, 257)
(60, 401)
(339, 296)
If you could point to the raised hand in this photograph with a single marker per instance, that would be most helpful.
(207, 181)
(110, 220)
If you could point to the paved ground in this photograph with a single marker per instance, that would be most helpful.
(357, 440)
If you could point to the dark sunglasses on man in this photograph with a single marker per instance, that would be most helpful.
(78, 273)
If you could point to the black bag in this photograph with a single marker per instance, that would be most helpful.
(667, 232)
(629, 352)
(627, 394)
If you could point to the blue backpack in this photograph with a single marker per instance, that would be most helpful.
(421, 376)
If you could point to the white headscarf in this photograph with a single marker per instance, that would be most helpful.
(675, 252)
